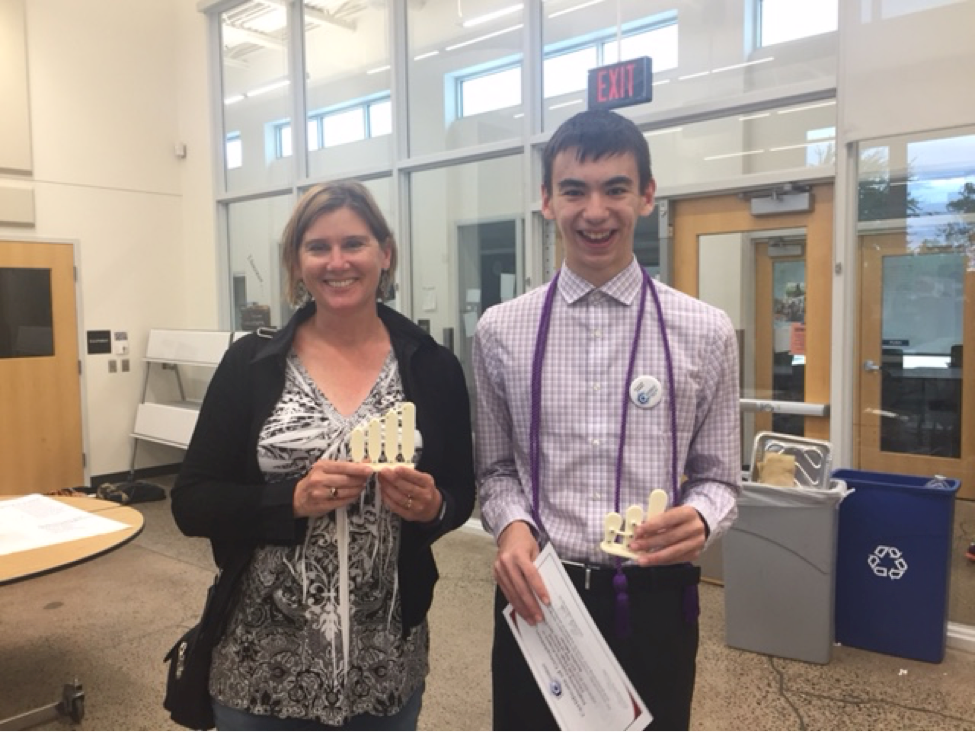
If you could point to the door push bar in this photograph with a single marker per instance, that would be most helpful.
(803, 409)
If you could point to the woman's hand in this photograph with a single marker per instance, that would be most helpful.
(329, 485)
(410, 493)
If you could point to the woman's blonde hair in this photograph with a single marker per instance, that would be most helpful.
(326, 198)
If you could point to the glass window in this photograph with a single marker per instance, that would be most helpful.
(450, 44)
(380, 118)
(344, 127)
(568, 72)
(256, 90)
(347, 64)
(282, 140)
(26, 315)
(234, 151)
(660, 44)
(787, 20)
(254, 229)
(469, 250)
(489, 92)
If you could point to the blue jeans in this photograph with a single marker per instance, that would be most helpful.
(237, 719)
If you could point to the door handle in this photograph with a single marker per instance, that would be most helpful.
(870, 366)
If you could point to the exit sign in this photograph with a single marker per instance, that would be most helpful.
(621, 85)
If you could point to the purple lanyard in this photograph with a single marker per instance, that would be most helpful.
(534, 430)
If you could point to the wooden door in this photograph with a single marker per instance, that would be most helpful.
(41, 446)
(695, 218)
(914, 415)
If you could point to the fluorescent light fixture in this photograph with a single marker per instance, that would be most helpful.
(661, 82)
(425, 55)
(485, 37)
(378, 69)
(734, 155)
(754, 116)
(743, 65)
(668, 131)
(575, 8)
(565, 104)
(233, 99)
(830, 103)
(268, 87)
(493, 15)
(693, 76)
(803, 144)
(519, 115)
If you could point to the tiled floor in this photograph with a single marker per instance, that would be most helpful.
(110, 621)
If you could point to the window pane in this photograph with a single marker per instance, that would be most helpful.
(568, 72)
(256, 90)
(469, 254)
(348, 65)
(343, 127)
(234, 152)
(253, 230)
(283, 134)
(314, 141)
(26, 315)
(787, 20)
(380, 118)
(449, 44)
(491, 91)
(660, 44)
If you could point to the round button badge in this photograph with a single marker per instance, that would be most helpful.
(646, 392)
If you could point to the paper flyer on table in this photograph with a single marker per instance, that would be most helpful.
(35, 521)
(579, 676)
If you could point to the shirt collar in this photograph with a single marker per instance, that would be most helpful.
(623, 288)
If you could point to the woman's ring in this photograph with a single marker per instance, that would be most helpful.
(409, 502)
(334, 492)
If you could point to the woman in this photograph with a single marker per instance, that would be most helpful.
(327, 628)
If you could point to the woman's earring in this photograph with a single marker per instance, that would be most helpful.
(385, 285)
(301, 292)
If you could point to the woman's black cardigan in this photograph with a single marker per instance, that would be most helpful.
(221, 494)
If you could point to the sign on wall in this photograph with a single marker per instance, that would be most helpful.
(621, 85)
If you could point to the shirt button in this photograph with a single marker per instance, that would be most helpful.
(596, 333)
(595, 443)
(595, 387)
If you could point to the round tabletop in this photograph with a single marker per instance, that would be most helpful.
(20, 565)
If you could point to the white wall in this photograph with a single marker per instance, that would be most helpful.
(114, 85)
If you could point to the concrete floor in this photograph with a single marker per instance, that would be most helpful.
(109, 622)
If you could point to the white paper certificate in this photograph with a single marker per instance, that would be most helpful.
(576, 671)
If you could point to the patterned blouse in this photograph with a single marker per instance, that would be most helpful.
(317, 632)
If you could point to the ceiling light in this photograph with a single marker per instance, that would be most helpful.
(378, 69)
(492, 15)
(565, 104)
(754, 116)
(268, 87)
(425, 55)
(574, 8)
(830, 103)
(233, 99)
(734, 155)
(804, 144)
(743, 65)
(693, 76)
(485, 37)
(663, 132)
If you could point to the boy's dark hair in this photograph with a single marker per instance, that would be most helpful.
(595, 134)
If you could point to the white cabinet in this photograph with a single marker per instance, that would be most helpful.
(172, 422)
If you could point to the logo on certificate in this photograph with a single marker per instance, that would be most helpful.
(555, 686)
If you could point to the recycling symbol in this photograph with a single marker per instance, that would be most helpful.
(887, 561)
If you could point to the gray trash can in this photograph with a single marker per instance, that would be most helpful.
(779, 570)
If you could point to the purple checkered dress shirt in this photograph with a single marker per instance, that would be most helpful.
(589, 343)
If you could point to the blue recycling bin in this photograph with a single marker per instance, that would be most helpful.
(893, 563)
